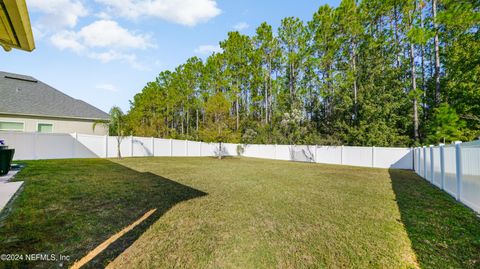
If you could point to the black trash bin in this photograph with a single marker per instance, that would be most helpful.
(6, 156)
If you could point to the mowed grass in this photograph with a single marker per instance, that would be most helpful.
(238, 213)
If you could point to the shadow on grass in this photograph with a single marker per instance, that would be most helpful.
(69, 207)
(443, 232)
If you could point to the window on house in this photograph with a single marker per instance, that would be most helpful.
(45, 128)
(11, 126)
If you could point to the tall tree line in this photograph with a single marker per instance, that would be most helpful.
(371, 72)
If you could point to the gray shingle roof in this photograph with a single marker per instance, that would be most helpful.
(25, 95)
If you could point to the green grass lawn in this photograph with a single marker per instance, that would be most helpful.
(237, 213)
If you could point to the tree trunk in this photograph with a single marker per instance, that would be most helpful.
(414, 88)
(266, 101)
(182, 120)
(437, 53)
(424, 87)
(220, 150)
(396, 34)
(237, 108)
(292, 82)
(414, 81)
(119, 142)
(196, 119)
(188, 122)
(355, 89)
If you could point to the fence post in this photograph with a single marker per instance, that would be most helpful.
(424, 162)
(432, 167)
(414, 159)
(442, 165)
(35, 136)
(131, 146)
(186, 148)
(74, 148)
(316, 146)
(153, 146)
(201, 148)
(419, 153)
(341, 155)
(458, 158)
(417, 159)
(373, 156)
(275, 151)
(171, 147)
(106, 146)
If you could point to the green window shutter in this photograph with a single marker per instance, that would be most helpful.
(11, 126)
(45, 128)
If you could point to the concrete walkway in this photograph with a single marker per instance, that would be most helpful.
(7, 188)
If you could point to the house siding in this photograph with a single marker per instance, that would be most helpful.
(60, 125)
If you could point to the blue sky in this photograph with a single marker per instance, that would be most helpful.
(105, 51)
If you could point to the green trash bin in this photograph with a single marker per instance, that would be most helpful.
(6, 156)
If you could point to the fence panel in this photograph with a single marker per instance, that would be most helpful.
(112, 147)
(450, 170)
(179, 148)
(398, 158)
(357, 156)
(421, 154)
(161, 147)
(302, 153)
(142, 146)
(193, 149)
(23, 143)
(229, 149)
(259, 151)
(417, 160)
(88, 146)
(282, 152)
(428, 164)
(470, 167)
(54, 146)
(209, 149)
(437, 171)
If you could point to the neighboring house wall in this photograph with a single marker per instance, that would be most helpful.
(30, 124)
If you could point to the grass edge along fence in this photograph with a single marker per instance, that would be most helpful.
(454, 168)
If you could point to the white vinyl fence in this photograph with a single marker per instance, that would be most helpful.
(34, 146)
(400, 158)
(39, 146)
(454, 168)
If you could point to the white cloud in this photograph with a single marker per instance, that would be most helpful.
(67, 40)
(101, 34)
(208, 49)
(107, 87)
(103, 15)
(241, 26)
(185, 12)
(58, 14)
(107, 33)
(103, 40)
(112, 55)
